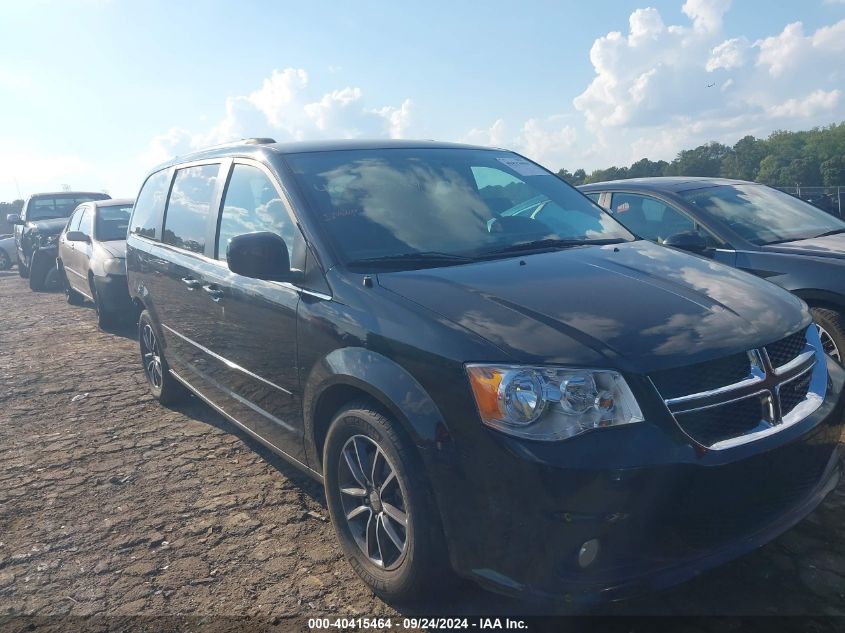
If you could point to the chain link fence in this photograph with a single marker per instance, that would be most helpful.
(829, 199)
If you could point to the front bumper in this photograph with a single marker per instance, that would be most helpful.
(113, 291)
(517, 514)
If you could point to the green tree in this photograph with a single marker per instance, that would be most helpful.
(833, 171)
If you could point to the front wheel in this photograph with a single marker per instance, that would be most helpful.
(831, 332)
(381, 507)
(71, 295)
(23, 271)
(5, 260)
(42, 263)
(164, 387)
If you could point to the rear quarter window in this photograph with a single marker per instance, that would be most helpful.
(149, 208)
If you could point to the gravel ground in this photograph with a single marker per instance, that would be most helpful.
(111, 505)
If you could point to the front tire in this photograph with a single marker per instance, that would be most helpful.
(23, 271)
(831, 327)
(381, 506)
(5, 260)
(164, 387)
(71, 295)
(41, 265)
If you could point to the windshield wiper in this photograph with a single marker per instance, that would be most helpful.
(833, 232)
(538, 245)
(421, 257)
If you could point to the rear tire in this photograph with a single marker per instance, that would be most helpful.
(41, 265)
(368, 515)
(831, 327)
(164, 387)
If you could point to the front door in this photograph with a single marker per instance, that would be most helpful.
(255, 319)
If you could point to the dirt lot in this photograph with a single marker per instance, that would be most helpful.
(113, 505)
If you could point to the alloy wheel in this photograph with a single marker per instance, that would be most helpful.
(828, 344)
(151, 355)
(373, 501)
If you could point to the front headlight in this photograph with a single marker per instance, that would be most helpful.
(114, 266)
(551, 403)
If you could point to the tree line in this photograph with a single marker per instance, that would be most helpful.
(785, 159)
(5, 209)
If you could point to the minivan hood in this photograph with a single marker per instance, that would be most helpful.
(53, 226)
(635, 306)
(829, 246)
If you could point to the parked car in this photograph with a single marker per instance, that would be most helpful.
(37, 228)
(92, 257)
(750, 226)
(7, 251)
(546, 404)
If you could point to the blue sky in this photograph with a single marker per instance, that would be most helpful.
(94, 92)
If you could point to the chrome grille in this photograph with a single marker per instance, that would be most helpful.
(762, 391)
(703, 376)
(723, 422)
(786, 349)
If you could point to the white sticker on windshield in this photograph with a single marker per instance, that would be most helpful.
(522, 166)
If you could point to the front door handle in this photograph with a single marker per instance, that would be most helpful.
(191, 282)
(214, 290)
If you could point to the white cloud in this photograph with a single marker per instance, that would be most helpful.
(791, 49)
(286, 108)
(814, 103)
(547, 141)
(706, 15)
(661, 88)
(729, 54)
(398, 118)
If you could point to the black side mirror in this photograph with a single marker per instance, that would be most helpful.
(14, 218)
(77, 236)
(261, 255)
(690, 241)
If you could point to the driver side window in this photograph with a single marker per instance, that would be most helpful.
(653, 219)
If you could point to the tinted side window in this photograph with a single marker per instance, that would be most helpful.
(648, 217)
(186, 218)
(146, 217)
(252, 204)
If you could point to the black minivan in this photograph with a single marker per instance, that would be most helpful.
(540, 402)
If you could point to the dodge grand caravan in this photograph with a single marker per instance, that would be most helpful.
(540, 402)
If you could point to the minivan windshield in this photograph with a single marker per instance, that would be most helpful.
(112, 222)
(763, 215)
(421, 207)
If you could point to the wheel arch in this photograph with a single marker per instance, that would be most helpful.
(357, 373)
(821, 298)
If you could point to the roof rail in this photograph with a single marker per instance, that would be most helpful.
(244, 141)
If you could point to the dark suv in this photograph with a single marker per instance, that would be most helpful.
(542, 403)
(37, 229)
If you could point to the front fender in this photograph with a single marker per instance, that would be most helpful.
(380, 378)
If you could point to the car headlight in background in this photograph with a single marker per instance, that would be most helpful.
(114, 266)
(47, 240)
(551, 403)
